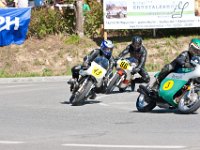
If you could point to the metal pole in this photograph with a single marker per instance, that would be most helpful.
(154, 33)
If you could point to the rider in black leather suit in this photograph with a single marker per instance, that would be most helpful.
(138, 51)
(182, 61)
(105, 50)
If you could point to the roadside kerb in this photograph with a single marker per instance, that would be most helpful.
(42, 79)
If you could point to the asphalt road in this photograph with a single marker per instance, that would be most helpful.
(36, 115)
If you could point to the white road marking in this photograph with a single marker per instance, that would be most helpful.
(126, 146)
(11, 142)
(103, 104)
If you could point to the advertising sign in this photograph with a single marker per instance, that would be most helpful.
(150, 14)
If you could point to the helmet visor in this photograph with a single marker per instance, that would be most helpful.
(194, 49)
(136, 46)
(107, 50)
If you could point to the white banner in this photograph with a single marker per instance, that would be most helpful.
(149, 14)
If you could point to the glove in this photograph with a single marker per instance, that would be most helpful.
(135, 70)
(85, 64)
(188, 65)
(117, 58)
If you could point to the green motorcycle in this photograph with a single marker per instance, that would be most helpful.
(179, 90)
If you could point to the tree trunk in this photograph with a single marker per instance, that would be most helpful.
(79, 18)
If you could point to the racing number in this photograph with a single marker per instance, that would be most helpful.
(123, 65)
(168, 85)
(97, 72)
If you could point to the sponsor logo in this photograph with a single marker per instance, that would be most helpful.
(6, 22)
(177, 76)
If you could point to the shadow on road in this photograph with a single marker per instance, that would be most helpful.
(85, 103)
(162, 111)
(117, 92)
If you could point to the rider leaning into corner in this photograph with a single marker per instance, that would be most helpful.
(105, 50)
(181, 61)
(137, 50)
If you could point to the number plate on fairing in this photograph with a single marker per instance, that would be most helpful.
(123, 64)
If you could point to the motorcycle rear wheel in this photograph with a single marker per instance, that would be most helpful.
(79, 97)
(144, 104)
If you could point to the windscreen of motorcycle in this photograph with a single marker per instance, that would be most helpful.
(102, 61)
(133, 61)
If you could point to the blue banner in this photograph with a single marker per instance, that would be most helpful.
(14, 25)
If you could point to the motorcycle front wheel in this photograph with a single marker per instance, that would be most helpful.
(144, 104)
(189, 104)
(81, 94)
(112, 83)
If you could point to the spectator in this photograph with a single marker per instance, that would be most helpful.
(10, 3)
(59, 1)
(21, 3)
(39, 3)
(86, 7)
(3, 4)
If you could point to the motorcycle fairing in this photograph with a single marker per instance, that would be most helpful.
(170, 86)
(96, 70)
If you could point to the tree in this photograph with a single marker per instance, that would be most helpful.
(79, 18)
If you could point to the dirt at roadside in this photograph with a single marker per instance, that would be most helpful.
(55, 55)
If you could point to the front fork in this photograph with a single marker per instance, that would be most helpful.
(122, 75)
(83, 85)
(192, 95)
(189, 90)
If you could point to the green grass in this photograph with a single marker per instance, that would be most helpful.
(4, 74)
(73, 39)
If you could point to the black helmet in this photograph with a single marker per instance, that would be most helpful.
(194, 47)
(136, 42)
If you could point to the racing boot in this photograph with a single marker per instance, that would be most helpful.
(133, 85)
(93, 94)
(155, 86)
(72, 82)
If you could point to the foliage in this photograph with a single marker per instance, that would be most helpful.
(93, 19)
(45, 21)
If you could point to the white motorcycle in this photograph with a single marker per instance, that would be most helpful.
(91, 78)
(122, 77)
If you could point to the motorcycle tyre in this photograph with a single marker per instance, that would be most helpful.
(122, 89)
(150, 105)
(133, 85)
(79, 98)
(188, 110)
(112, 84)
